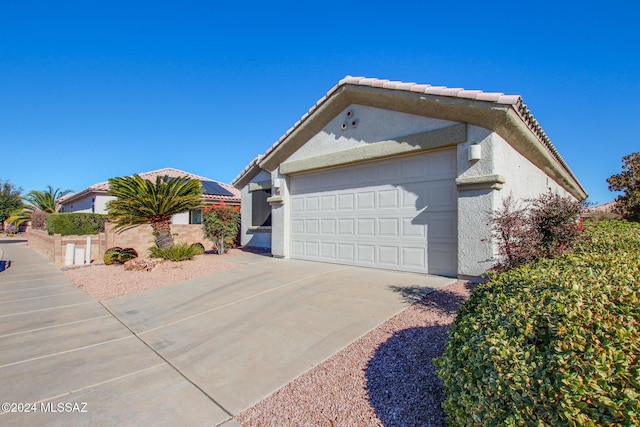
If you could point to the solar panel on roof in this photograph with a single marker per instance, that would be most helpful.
(214, 188)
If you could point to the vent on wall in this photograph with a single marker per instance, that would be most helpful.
(350, 122)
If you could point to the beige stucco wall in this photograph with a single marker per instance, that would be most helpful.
(373, 125)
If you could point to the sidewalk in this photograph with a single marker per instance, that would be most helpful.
(75, 364)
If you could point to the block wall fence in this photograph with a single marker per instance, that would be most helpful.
(140, 238)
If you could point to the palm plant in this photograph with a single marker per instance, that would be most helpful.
(47, 201)
(140, 201)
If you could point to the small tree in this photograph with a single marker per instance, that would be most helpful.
(10, 200)
(221, 222)
(628, 204)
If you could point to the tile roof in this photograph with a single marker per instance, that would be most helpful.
(495, 97)
(103, 187)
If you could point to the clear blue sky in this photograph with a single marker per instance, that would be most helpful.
(92, 90)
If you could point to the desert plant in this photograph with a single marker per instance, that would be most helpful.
(112, 255)
(117, 255)
(220, 223)
(141, 201)
(553, 342)
(177, 252)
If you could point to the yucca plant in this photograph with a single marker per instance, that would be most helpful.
(140, 201)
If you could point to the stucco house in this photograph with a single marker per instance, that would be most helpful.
(399, 176)
(95, 197)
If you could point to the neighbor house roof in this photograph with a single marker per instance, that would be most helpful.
(214, 191)
(507, 115)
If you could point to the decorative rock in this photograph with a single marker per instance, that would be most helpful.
(139, 264)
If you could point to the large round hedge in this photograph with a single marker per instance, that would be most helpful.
(552, 343)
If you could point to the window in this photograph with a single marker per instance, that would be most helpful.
(260, 208)
(195, 216)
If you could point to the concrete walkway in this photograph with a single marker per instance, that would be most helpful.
(60, 346)
(192, 353)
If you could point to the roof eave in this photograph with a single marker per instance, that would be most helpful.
(503, 118)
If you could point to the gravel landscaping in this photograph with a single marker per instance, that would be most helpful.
(385, 378)
(110, 281)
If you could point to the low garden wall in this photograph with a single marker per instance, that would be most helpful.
(140, 238)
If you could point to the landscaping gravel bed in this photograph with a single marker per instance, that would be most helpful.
(109, 281)
(386, 378)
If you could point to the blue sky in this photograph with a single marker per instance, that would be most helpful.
(93, 90)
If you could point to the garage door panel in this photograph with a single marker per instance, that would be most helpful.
(442, 165)
(414, 258)
(441, 256)
(388, 227)
(366, 227)
(346, 253)
(366, 254)
(328, 251)
(346, 227)
(442, 194)
(366, 200)
(312, 226)
(328, 203)
(402, 216)
(388, 256)
(388, 199)
(328, 227)
(441, 227)
(345, 202)
(413, 230)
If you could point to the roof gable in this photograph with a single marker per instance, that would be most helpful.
(506, 115)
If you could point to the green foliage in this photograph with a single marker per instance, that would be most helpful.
(554, 342)
(141, 201)
(220, 224)
(178, 252)
(117, 255)
(10, 200)
(47, 201)
(198, 248)
(77, 223)
(628, 181)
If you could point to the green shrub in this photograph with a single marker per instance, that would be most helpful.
(177, 252)
(117, 255)
(554, 342)
(198, 248)
(75, 223)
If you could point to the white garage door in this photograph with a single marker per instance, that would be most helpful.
(397, 214)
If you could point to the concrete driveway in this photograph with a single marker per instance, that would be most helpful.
(192, 353)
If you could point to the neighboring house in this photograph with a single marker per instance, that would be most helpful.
(398, 176)
(94, 198)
